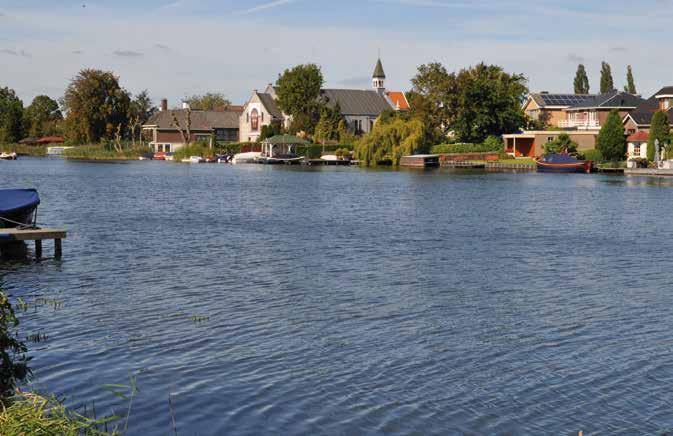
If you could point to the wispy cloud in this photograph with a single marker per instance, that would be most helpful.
(162, 47)
(21, 53)
(77, 52)
(619, 49)
(127, 53)
(573, 57)
(265, 6)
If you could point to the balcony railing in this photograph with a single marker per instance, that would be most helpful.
(579, 124)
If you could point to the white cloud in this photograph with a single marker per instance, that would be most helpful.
(265, 6)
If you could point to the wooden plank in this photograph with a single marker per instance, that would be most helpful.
(34, 234)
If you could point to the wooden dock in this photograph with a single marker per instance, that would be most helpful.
(7, 236)
(649, 172)
(463, 164)
(420, 161)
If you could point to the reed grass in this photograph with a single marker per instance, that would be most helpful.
(24, 150)
(104, 152)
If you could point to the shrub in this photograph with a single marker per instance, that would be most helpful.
(594, 155)
(314, 151)
(13, 360)
(465, 148)
(562, 144)
(199, 148)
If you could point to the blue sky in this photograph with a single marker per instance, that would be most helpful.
(176, 48)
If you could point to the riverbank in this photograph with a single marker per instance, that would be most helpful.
(24, 150)
(101, 152)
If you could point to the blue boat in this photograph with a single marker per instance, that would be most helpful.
(18, 207)
(563, 163)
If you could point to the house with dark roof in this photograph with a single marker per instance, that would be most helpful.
(550, 108)
(221, 124)
(591, 113)
(639, 120)
(359, 107)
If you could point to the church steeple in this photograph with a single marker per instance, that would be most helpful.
(379, 77)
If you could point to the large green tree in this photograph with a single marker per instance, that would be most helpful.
(434, 97)
(208, 101)
(96, 107)
(611, 139)
(11, 116)
(630, 86)
(140, 110)
(607, 83)
(391, 141)
(659, 130)
(327, 128)
(298, 91)
(42, 117)
(581, 82)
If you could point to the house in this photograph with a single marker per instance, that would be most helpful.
(531, 143)
(640, 119)
(637, 145)
(550, 108)
(591, 113)
(222, 124)
(359, 108)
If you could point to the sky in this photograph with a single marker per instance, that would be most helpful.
(178, 48)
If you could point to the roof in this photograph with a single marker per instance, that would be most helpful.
(230, 107)
(270, 105)
(356, 102)
(544, 99)
(201, 120)
(644, 112)
(286, 139)
(612, 99)
(640, 136)
(378, 71)
(399, 100)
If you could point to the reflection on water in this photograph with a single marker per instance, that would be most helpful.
(344, 301)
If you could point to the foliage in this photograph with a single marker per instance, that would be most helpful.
(200, 148)
(327, 128)
(11, 116)
(659, 130)
(42, 117)
(611, 140)
(233, 147)
(298, 90)
(607, 83)
(345, 136)
(630, 83)
(391, 141)
(593, 155)
(13, 360)
(208, 102)
(581, 82)
(24, 149)
(562, 144)
(140, 110)
(314, 151)
(105, 151)
(474, 103)
(465, 148)
(95, 105)
(270, 130)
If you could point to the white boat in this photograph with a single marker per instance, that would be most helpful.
(329, 157)
(243, 158)
(193, 159)
(56, 150)
(8, 156)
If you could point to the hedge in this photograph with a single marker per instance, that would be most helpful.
(464, 148)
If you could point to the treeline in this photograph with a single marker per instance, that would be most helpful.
(607, 83)
(42, 117)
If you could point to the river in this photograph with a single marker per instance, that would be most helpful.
(285, 300)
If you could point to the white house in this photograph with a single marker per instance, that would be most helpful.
(637, 145)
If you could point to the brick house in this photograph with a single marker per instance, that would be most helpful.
(639, 120)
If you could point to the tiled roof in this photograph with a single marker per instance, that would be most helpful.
(612, 99)
(201, 120)
(399, 100)
(544, 99)
(270, 105)
(356, 102)
(640, 136)
(644, 112)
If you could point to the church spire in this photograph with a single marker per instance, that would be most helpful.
(379, 77)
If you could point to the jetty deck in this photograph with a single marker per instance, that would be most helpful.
(648, 172)
(37, 235)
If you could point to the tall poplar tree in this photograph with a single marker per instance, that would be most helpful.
(607, 83)
(581, 80)
(630, 83)
(659, 130)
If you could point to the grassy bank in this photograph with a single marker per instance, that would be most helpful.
(24, 150)
(102, 152)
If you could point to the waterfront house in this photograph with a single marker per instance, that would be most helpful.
(640, 119)
(222, 124)
(637, 145)
(531, 143)
(359, 107)
(550, 108)
(591, 113)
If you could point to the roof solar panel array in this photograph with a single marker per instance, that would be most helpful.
(564, 99)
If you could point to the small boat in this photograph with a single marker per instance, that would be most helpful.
(146, 156)
(193, 159)
(169, 156)
(18, 207)
(280, 159)
(8, 156)
(160, 155)
(243, 158)
(563, 163)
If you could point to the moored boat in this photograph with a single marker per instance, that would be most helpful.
(563, 163)
(18, 207)
(160, 155)
(8, 156)
(243, 158)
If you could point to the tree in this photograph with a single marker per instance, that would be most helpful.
(11, 116)
(433, 96)
(630, 83)
(611, 140)
(140, 110)
(327, 128)
(270, 130)
(95, 106)
(298, 90)
(209, 101)
(581, 82)
(562, 144)
(391, 141)
(607, 84)
(184, 127)
(42, 117)
(659, 130)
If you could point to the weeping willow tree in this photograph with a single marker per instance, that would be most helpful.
(389, 141)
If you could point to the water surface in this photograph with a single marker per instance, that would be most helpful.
(275, 300)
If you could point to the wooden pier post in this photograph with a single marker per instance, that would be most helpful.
(38, 249)
(58, 249)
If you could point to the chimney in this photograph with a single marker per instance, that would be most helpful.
(185, 105)
(164, 105)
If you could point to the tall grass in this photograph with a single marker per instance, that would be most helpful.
(24, 150)
(104, 152)
(194, 149)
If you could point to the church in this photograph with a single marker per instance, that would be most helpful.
(359, 107)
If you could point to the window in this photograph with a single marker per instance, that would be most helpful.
(550, 138)
(636, 150)
(167, 148)
(262, 116)
(160, 147)
(254, 120)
